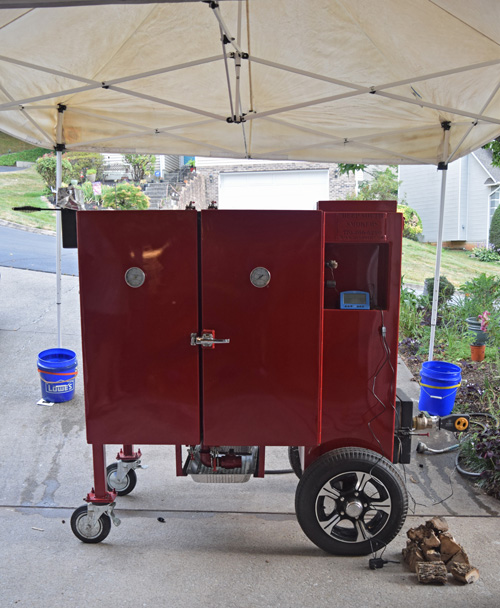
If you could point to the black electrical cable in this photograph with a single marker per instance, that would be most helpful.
(279, 472)
(386, 360)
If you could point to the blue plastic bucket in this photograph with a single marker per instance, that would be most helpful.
(439, 382)
(57, 367)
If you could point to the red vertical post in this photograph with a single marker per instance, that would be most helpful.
(99, 458)
(128, 450)
(179, 470)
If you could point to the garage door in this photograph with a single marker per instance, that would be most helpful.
(273, 189)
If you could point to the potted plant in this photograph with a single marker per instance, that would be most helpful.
(480, 328)
(91, 175)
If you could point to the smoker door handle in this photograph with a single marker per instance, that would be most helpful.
(207, 339)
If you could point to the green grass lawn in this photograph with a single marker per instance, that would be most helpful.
(419, 260)
(26, 188)
(19, 188)
(10, 144)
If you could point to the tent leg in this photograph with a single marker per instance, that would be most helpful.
(59, 222)
(58, 250)
(435, 293)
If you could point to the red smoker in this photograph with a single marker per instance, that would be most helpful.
(228, 331)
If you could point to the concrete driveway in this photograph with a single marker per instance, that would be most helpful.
(219, 546)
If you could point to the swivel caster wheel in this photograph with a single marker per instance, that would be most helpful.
(125, 485)
(90, 529)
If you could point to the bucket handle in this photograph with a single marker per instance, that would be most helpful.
(422, 386)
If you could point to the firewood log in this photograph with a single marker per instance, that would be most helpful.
(465, 573)
(412, 555)
(431, 573)
(431, 541)
(431, 555)
(437, 523)
(451, 550)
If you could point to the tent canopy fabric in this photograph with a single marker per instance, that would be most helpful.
(323, 80)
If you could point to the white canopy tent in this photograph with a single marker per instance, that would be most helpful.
(379, 81)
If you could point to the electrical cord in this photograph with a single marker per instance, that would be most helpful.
(278, 472)
(386, 360)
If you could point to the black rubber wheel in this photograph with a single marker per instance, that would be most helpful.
(294, 460)
(124, 487)
(351, 501)
(96, 533)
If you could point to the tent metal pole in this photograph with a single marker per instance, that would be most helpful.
(59, 150)
(435, 295)
(435, 106)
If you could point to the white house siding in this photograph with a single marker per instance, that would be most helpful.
(477, 216)
(421, 188)
(466, 201)
(172, 163)
(115, 167)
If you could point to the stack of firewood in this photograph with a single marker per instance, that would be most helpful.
(432, 552)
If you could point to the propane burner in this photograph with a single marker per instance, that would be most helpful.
(222, 464)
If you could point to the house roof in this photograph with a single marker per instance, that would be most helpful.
(484, 157)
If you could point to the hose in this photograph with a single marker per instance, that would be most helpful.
(423, 449)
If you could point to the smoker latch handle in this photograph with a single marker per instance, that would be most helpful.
(207, 339)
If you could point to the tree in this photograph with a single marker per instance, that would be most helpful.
(494, 146)
(346, 168)
(383, 187)
(140, 164)
(85, 162)
(46, 167)
(495, 229)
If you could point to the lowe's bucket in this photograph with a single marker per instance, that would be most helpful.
(439, 382)
(57, 367)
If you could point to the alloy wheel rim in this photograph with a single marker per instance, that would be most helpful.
(353, 507)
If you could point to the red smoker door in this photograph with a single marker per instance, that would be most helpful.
(141, 373)
(263, 388)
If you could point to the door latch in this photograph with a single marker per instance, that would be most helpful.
(207, 339)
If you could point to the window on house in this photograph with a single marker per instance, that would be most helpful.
(494, 200)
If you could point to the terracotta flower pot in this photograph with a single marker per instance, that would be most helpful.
(477, 352)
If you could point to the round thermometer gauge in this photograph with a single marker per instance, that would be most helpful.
(135, 277)
(260, 277)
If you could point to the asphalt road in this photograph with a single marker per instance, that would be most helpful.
(33, 251)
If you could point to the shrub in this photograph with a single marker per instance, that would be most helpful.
(88, 193)
(412, 226)
(488, 449)
(495, 229)
(140, 165)
(486, 254)
(412, 309)
(125, 196)
(446, 289)
(46, 167)
(480, 293)
(84, 162)
(30, 156)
